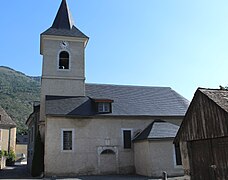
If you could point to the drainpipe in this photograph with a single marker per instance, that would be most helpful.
(9, 140)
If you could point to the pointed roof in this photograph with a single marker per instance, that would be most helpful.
(63, 19)
(5, 120)
(63, 24)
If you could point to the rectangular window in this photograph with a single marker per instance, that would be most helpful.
(67, 139)
(127, 139)
(178, 155)
(103, 107)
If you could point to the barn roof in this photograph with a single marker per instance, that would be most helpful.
(206, 116)
(158, 130)
(5, 120)
(127, 101)
(219, 96)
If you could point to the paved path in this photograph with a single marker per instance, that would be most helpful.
(14, 172)
(20, 172)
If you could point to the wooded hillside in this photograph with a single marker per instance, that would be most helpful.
(17, 94)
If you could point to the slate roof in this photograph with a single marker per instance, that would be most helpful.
(158, 130)
(5, 120)
(219, 96)
(63, 24)
(69, 106)
(128, 101)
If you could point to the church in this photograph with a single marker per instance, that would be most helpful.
(95, 129)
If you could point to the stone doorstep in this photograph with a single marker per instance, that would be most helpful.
(175, 178)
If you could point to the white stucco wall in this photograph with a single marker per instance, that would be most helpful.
(89, 136)
(141, 154)
(55, 80)
(4, 141)
(158, 155)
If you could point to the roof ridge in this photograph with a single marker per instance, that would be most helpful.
(126, 85)
(213, 89)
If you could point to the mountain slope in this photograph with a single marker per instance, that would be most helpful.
(17, 94)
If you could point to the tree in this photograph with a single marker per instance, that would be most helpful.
(38, 157)
(223, 88)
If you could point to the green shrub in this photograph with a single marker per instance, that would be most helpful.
(3, 153)
(11, 157)
(6, 153)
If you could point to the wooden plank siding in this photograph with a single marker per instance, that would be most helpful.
(209, 159)
(204, 119)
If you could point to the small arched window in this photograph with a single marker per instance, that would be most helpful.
(64, 60)
(108, 151)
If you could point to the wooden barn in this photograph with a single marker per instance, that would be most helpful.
(203, 136)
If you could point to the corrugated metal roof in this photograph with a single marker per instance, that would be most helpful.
(128, 101)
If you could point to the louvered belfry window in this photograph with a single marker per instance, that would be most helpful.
(67, 140)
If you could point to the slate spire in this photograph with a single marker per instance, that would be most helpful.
(63, 24)
(63, 19)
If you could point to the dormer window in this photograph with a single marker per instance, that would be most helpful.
(103, 105)
(64, 60)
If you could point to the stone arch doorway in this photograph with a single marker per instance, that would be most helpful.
(108, 160)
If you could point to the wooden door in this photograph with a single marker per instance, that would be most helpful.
(209, 159)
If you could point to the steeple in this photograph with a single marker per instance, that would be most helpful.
(63, 24)
(63, 19)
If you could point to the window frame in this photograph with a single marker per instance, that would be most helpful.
(122, 132)
(104, 105)
(62, 139)
(175, 157)
(58, 60)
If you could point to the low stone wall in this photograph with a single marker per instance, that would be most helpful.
(2, 162)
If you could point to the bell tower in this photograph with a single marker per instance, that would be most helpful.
(63, 49)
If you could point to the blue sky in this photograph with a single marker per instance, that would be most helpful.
(175, 43)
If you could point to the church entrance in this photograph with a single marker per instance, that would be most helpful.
(108, 160)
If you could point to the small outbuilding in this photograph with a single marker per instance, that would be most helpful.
(157, 141)
(203, 135)
(7, 135)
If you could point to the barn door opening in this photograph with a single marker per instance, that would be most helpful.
(209, 159)
(201, 160)
(220, 155)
